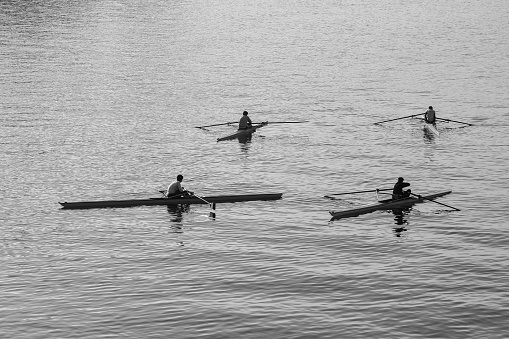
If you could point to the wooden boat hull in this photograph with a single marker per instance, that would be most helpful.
(386, 205)
(432, 128)
(170, 202)
(244, 133)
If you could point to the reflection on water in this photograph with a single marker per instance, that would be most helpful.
(429, 138)
(100, 98)
(400, 220)
(176, 212)
(244, 139)
(245, 144)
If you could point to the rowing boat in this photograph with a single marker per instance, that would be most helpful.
(171, 201)
(431, 127)
(387, 204)
(243, 133)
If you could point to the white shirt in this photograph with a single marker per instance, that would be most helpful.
(175, 187)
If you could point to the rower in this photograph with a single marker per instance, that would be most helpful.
(245, 121)
(397, 192)
(176, 190)
(429, 116)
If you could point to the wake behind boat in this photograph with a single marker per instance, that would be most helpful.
(387, 204)
(171, 201)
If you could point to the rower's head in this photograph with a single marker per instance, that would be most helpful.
(180, 177)
(244, 113)
(430, 107)
(400, 179)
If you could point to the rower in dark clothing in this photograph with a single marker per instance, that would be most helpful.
(430, 115)
(397, 192)
(245, 121)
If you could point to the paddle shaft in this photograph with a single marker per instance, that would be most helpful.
(211, 205)
(194, 195)
(413, 115)
(436, 202)
(459, 122)
(224, 123)
(383, 189)
(281, 122)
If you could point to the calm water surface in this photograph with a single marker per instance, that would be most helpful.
(99, 100)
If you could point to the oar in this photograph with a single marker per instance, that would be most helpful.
(436, 202)
(212, 205)
(224, 123)
(194, 195)
(191, 194)
(413, 115)
(459, 122)
(288, 122)
(281, 122)
(368, 191)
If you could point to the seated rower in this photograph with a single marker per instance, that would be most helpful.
(430, 116)
(397, 192)
(176, 190)
(245, 121)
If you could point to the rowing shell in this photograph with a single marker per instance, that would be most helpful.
(171, 201)
(431, 127)
(242, 133)
(386, 205)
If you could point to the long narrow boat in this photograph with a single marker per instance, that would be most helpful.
(171, 201)
(386, 205)
(431, 127)
(243, 133)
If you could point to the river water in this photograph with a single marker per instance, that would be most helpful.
(99, 100)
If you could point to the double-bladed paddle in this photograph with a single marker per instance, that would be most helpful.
(459, 122)
(436, 202)
(409, 116)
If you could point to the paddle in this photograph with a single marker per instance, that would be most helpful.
(224, 123)
(413, 115)
(436, 202)
(194, 195)
(212, 205)
(280, 122)
(368, 191)
(459, 122)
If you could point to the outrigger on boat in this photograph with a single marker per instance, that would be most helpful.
(387, 204)
(171, 201)
(243, 133)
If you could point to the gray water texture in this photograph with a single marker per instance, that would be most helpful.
(100, 99)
